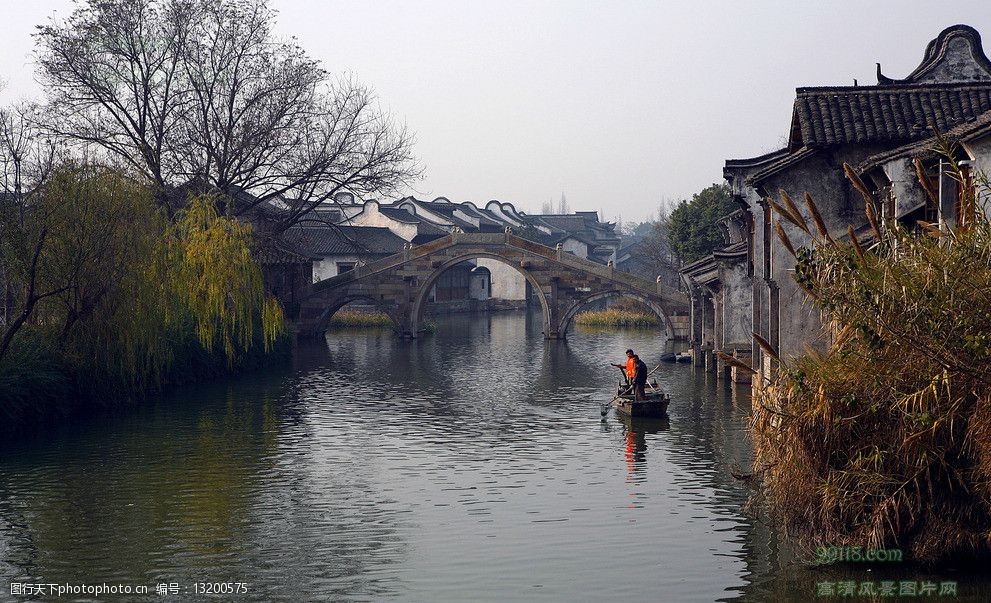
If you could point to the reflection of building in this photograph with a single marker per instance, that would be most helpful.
(877, 129)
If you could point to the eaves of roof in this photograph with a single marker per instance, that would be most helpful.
(781, 164)
(399, 215)
(930, 147)
(732, 251)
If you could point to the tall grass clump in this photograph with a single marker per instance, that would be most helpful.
(365, 318)
(884, 439)
(360, 318)
(626, 313)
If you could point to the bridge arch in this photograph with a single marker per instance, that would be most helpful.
(570, 313)
(400, 284)
(416, 314)
(324, 320)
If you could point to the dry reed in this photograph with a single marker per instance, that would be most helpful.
(884, 440)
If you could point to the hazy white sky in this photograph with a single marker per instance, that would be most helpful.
(617, 104)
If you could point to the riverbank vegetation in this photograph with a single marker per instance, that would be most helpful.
(366, 318)
(360, 318)
(110, 299)
(884, 439)
(625, 313)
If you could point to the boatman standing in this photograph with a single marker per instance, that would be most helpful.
(639, 378)
(631, 366)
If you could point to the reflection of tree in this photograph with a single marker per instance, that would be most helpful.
(171, 494)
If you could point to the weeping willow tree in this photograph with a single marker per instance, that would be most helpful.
(206, 266)
(120, 292)
(884, 440)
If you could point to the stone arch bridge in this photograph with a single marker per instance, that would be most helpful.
(562, 282)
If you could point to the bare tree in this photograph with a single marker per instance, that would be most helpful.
(547, 207)
(27, 155)
(113, 75)
(202, 90)
(26, 160)
(562, 206)
(655, 250)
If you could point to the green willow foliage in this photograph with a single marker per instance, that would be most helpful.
(206, 264)
(99, 233)
(137, 297)
(884, 440)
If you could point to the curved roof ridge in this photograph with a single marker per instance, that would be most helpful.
(944, 60)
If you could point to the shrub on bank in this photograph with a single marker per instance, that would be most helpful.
(33, 382)
(884, 440)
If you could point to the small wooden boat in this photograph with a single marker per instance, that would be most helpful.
(656, 404)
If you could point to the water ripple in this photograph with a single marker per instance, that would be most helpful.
(474, 461)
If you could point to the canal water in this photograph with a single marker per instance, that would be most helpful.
(473, 464)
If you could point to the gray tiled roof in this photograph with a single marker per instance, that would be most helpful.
(444, 208)
(343, 240)
(274, 252)
(782, 163)
(484, 218)
(855, 115)
(400, 215)
(569, 223)
(929, 146)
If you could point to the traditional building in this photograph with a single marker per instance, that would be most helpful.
(418, 221)
(650, 259)
(580, 233)
(895, 185)
(463, 216)
(875, 127)
(338, 249)
(721, 287)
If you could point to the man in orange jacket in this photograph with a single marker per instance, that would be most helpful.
(631, 366)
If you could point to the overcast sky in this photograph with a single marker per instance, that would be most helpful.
(618, 105)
